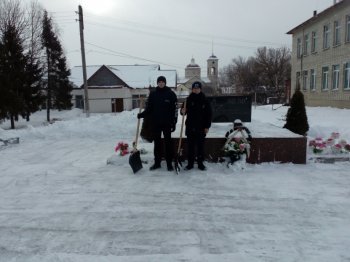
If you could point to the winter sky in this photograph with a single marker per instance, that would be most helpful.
(170, 33)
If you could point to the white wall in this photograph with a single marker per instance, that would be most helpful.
(100, 99)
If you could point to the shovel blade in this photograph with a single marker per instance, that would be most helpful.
(135, 161)
(178, 165)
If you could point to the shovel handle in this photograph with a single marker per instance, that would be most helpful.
(182, 127)
(138, 124)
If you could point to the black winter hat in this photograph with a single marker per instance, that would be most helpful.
(161, 78)
(197, 84)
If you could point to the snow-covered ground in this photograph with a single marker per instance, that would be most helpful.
(60, 201)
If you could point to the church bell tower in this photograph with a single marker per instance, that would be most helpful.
(213, 68)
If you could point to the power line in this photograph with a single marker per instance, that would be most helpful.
(192, 40)
(163, 29)
(120, 54)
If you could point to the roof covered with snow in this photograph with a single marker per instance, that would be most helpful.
(135, 76)
(340, 4)
(184, 80)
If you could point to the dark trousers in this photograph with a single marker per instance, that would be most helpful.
(195, 141)
(158, 145)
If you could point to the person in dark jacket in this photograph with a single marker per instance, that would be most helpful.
(198, 122)
(162, 109)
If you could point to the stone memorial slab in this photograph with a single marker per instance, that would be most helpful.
(228, 108)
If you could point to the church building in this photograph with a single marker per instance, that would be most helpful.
(210, 82)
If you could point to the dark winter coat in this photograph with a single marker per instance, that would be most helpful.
(162, 108)
(199, 114)
(147, 129)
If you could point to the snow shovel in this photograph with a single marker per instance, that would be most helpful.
(135, 159)
(179, 149)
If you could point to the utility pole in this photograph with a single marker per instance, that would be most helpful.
(82, 44)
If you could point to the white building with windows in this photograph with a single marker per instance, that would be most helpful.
(321, 57)
(115, 88)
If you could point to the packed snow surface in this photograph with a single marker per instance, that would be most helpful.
(60, 201)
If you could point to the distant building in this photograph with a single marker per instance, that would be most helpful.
(321, 57)
(213, 71)
(114, 88)
(193, 74)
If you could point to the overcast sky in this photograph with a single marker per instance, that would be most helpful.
(171, 32)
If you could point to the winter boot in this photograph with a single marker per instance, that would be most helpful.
(155, 166)
(189, 166)
(170, 166)
(201, 166)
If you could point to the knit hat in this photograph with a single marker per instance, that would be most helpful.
(161, 78)
(237, 123)
(197, 85)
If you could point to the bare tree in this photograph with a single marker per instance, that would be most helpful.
(273, 67)
(12, 15)
(27, 20)
(226, 76)
(34, 30)
(269, 68)
(241, 74)
(20, 32)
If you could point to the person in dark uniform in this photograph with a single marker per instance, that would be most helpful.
(162, 109)
(198, 122)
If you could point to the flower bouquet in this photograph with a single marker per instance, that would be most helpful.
(317, 145)
(123, 148)
(335, 135)
(332, 145)
(336, 149)
(235, 148)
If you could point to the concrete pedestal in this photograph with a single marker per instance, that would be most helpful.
(269, 144)
(283, 150)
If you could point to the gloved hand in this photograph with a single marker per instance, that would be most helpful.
(173, 127)
(139, 115)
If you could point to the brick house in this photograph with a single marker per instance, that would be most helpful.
(321, 57)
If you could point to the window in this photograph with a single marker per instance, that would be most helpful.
(335, 76)
(336, 39)
(212, 71)
(326, 36)
(306, 44)
(347, 29)
(79, 101)
(325, 78)
(305, 80)
(313, 42)
(136, 101)
(299, 47)
(312, 79)
(347, 75)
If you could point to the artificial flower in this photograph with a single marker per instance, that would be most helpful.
(123, 148)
